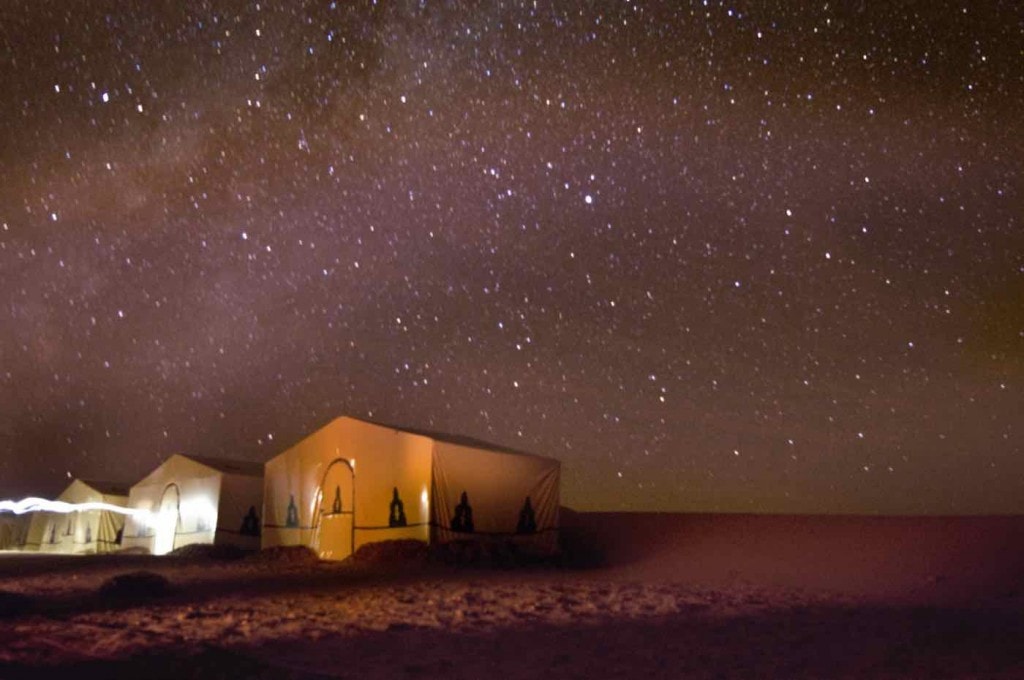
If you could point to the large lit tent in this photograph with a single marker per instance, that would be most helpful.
(190, 500)
(354, 482)
(86, 531)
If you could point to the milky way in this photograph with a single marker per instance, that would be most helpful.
(712, 256)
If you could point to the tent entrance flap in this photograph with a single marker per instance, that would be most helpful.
(167, 520)
(334, 528)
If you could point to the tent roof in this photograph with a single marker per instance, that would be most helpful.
(107, 488)
(459, 440)
(235, 467)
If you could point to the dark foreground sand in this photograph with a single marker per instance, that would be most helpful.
(640, 596)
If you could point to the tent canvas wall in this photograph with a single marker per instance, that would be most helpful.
(196, 500)
(90, 531)
(354, 482)
(13, 530)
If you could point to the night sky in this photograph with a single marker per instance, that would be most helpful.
(712, 256)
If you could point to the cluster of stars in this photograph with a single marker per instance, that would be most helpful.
(712, 256)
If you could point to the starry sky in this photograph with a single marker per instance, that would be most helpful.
(758, 257)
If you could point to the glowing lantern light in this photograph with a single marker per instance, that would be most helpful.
(166, 527)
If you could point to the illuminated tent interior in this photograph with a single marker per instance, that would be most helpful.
(189, 500)
(85, 531)
(355, 482)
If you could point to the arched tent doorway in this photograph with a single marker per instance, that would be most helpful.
(168, 520)
(334, 521)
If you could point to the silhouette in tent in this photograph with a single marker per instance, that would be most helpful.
(292, 518)
(88, 533)
(396, 514)
(527, 519)
(463, 519)
(250, 523)
(336, 505)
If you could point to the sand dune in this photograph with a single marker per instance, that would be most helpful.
(635, 596)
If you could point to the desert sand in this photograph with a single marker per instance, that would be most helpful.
(633, 596)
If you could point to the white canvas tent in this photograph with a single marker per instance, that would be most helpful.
(355, 482)
(88, 531)
(196, 500)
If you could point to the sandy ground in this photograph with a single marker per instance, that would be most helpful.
(640, 596)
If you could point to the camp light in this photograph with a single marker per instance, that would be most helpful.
(314, 502)
(202, 511)
(145, 519)
(166, 528)
(33, 504)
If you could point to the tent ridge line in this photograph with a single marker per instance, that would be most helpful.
(285, 526)
(468, 534)
(432, 525)
(225, 530)
(188, 533)
(384, 527)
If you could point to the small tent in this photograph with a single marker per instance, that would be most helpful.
(355, 482)
(87, 531)
(190, 500)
